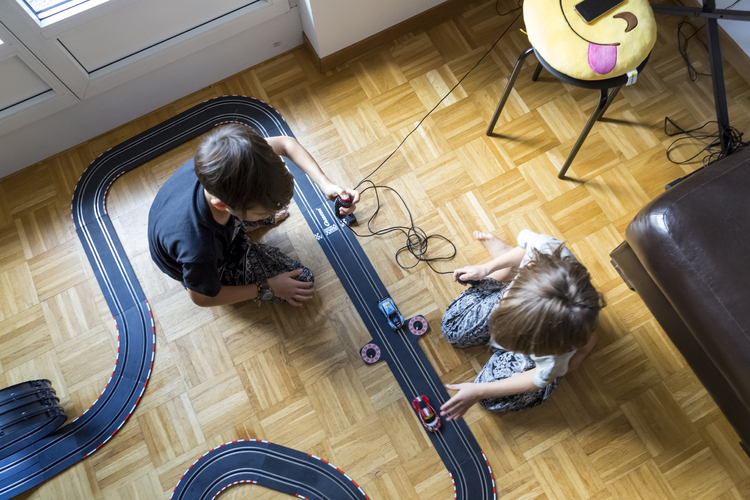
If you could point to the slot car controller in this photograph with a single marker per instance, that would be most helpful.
(344, 203)
(341, 203)
(467, 282)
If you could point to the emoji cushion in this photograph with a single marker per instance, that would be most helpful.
(607, 47)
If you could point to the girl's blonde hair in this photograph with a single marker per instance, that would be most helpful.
(551, 307)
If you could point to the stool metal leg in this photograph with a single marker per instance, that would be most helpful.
(536, 72)
(508, 88)
(605, 99)
(609, 100)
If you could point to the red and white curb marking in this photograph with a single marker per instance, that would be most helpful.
(364, 495)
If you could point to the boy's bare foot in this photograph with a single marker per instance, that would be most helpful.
(279, 217)
(492, 243)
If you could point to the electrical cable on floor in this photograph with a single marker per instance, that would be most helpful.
(416, 238)
(682, 46)
(732, 137)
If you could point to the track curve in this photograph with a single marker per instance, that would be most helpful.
(467, 465)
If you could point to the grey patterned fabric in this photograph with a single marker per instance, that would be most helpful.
(270, 221)
(466, 322)
(248, 261)
(504, 364)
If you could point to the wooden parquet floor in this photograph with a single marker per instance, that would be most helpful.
(632, 423)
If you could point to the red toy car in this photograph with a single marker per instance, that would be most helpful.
(426, 413)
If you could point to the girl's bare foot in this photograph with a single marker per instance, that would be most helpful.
(492, 243)
(280, 216)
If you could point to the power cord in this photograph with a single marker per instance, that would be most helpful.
(519, 5)
(682, 46)
(683, 40)
(417, 240)
(731, 135)
(440, 101)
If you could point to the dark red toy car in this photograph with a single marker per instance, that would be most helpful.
(427, 414)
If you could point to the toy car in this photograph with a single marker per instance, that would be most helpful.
(426, 413)
(395, 320)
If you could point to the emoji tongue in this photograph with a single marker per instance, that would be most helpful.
(602, 58)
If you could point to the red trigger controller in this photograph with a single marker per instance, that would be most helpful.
(341, 203)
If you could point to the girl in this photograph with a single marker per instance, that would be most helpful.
(539, 326)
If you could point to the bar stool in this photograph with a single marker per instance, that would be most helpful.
(586, 43)
(608, 91)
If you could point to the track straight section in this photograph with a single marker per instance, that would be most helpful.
(454, 443)
(245, 461)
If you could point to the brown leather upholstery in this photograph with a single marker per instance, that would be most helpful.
(687, 254)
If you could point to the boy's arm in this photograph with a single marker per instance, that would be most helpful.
(283, 285)
(469, 394)
(227, 295)
(289, 147)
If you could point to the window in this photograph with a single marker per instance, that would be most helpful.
(48, 8)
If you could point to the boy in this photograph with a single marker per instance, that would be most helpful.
(197, 223)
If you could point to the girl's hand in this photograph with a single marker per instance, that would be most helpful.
(468, 395)
(332, 191)
(468, 273)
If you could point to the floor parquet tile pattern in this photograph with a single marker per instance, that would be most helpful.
(632, 423)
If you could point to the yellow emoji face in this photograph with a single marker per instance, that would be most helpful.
(591, 39)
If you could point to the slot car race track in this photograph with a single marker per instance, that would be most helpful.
(264, 463)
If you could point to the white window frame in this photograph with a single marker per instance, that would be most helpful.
(57, 98)
(42, 41)
(35, 42)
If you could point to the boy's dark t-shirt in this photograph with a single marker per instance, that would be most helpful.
(185, 240)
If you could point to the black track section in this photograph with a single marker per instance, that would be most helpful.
(266, 464)
(234, 462)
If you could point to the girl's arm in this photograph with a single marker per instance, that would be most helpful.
(582, 352)
(508, 259)
(470, 394)
(289, 147)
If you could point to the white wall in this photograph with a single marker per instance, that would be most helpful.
(330, 25)
(98, 114)
(738, 30)
(340, 23)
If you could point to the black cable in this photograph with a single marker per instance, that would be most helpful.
(731, 136)
(440, 101)
(682, 46)
(417, 241)
(519, 5)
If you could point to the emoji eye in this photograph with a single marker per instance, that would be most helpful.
(630, 18)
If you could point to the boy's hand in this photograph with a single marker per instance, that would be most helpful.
(332, 191)
(293, 291)
(468, 273)
(468, 395)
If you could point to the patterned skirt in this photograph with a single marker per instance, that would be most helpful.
(466, 322)
(248, 261)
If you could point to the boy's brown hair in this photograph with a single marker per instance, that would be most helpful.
(239, 167)
(551, 308)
